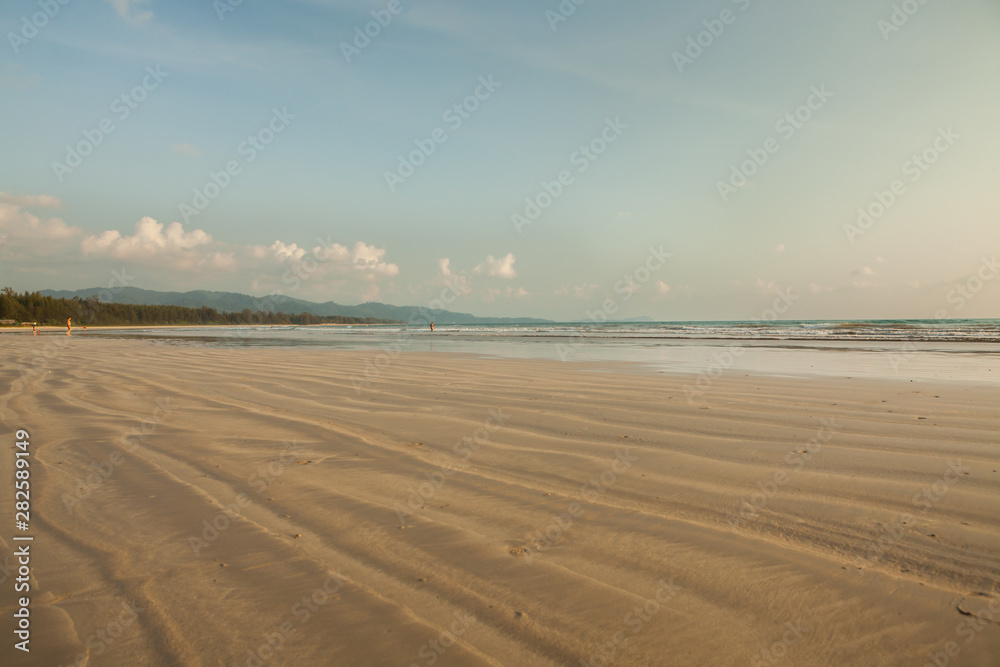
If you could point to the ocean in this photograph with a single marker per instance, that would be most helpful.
(918, 350)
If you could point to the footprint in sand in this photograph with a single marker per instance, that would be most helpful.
(981, 605)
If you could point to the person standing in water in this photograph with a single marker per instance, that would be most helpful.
(432, 326)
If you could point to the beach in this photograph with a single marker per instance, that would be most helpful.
(227, 505)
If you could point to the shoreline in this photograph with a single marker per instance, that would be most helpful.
(705, 360)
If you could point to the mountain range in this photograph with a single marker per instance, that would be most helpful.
(233, 302)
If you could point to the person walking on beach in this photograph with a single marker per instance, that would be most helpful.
(69, 325)
(432, 326)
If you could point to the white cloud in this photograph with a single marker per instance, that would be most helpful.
(30, 201)
(149, 241)
(769, 287)
(166, 250)
(187, 149)
(662, 287)
(456, 282)
(331, 252)
(22, 228)
(491, 294)
(366, 261)
(498, 268)
(283, 252)
(12, 77)
(220, 261)
(368, 258)
(779, 248)
(866, 272)
(131, 12)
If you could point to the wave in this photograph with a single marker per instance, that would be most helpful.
(978, 331)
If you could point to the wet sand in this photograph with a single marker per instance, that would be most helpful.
(209, 506)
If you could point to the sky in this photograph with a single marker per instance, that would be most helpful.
(573, 160)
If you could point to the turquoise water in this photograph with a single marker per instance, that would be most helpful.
(977, 330)
(869, 330)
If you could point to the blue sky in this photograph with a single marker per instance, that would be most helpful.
(873, 83)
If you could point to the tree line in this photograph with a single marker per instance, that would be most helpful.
(33, 307)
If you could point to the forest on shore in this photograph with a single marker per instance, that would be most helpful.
(34, 308)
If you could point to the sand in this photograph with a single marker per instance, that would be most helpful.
(210, 506)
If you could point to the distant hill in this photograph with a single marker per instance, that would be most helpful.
(32, 308)
(232, 302)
